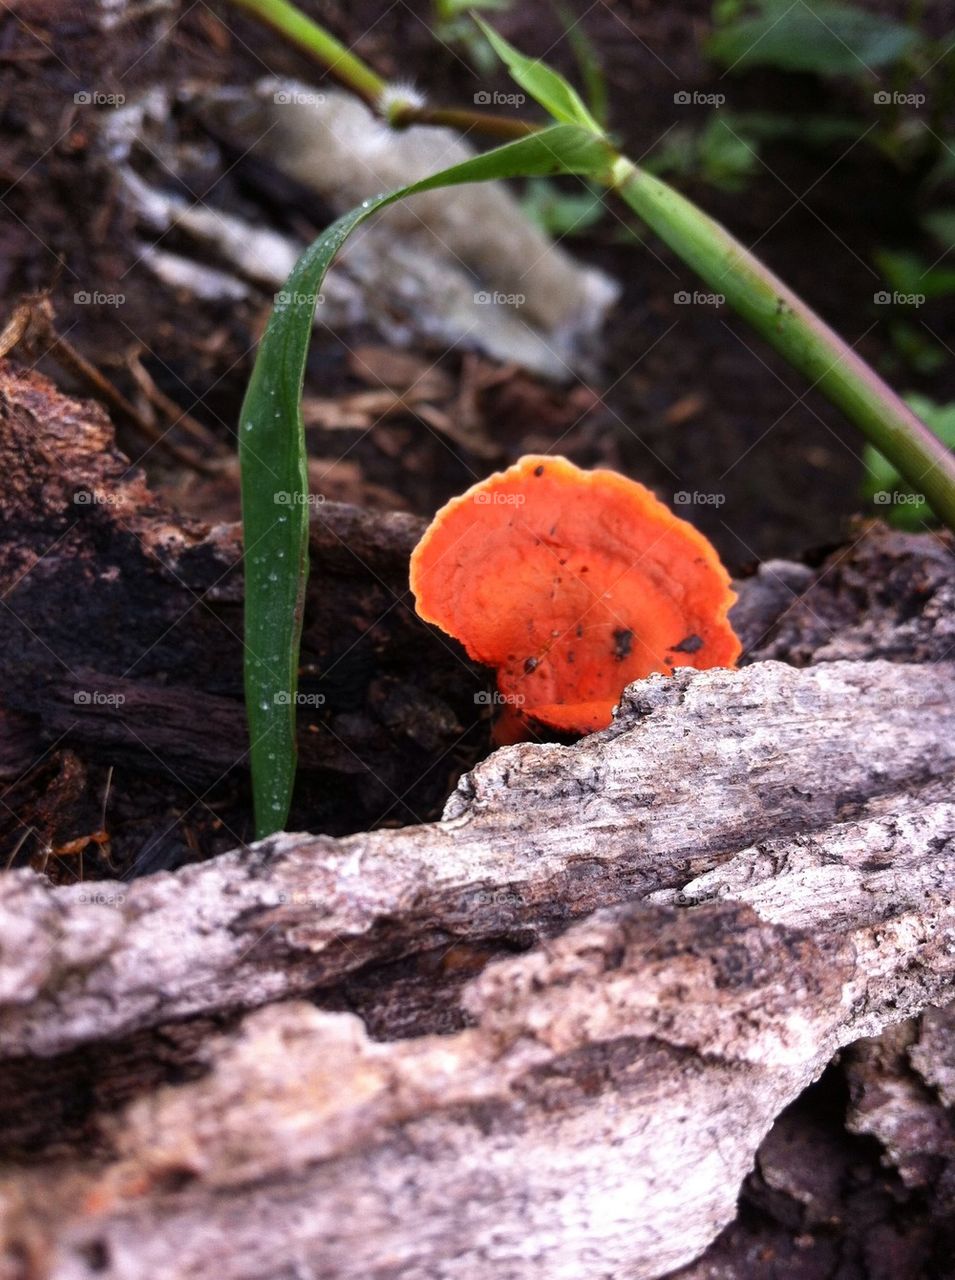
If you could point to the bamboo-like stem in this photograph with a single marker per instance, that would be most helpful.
(794, 329)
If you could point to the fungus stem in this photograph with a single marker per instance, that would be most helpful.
(794, 329)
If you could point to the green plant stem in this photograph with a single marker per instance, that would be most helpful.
(790, 326)
(356, 75)
(290, 22)
(504, 128)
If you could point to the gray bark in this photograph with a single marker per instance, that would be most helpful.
(780, 865)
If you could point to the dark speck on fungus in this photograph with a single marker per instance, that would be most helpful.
(622, 643)
(690, 644)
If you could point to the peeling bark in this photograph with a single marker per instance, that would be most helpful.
(609, 1090)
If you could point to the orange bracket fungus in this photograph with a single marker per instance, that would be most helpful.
(571, 584)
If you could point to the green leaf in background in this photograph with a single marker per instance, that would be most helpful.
(894, 499)
(545, 85)
(725, 151)
(588, 63)
(914, 347)
(725, 11)
(720, 154)
(562, 213)
(272, 460)
(941, 224)
(447, 10)
(811, 35)
(803, 130)
(909, 273)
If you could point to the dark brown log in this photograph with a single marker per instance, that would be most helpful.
(120, 630)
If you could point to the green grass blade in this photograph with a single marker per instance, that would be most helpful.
(272, 461)
(546, 86)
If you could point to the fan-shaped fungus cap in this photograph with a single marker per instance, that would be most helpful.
(571, 584)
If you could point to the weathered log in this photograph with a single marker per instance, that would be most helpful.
(600, 1111)
(597, 1118)
(694, 769)
(121, 632)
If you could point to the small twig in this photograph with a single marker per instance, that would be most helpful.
(32, 324)
(502, 127)
(15, 329)
(17, 847)
(176, 416)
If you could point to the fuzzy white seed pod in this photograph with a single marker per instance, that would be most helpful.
(398, 97)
